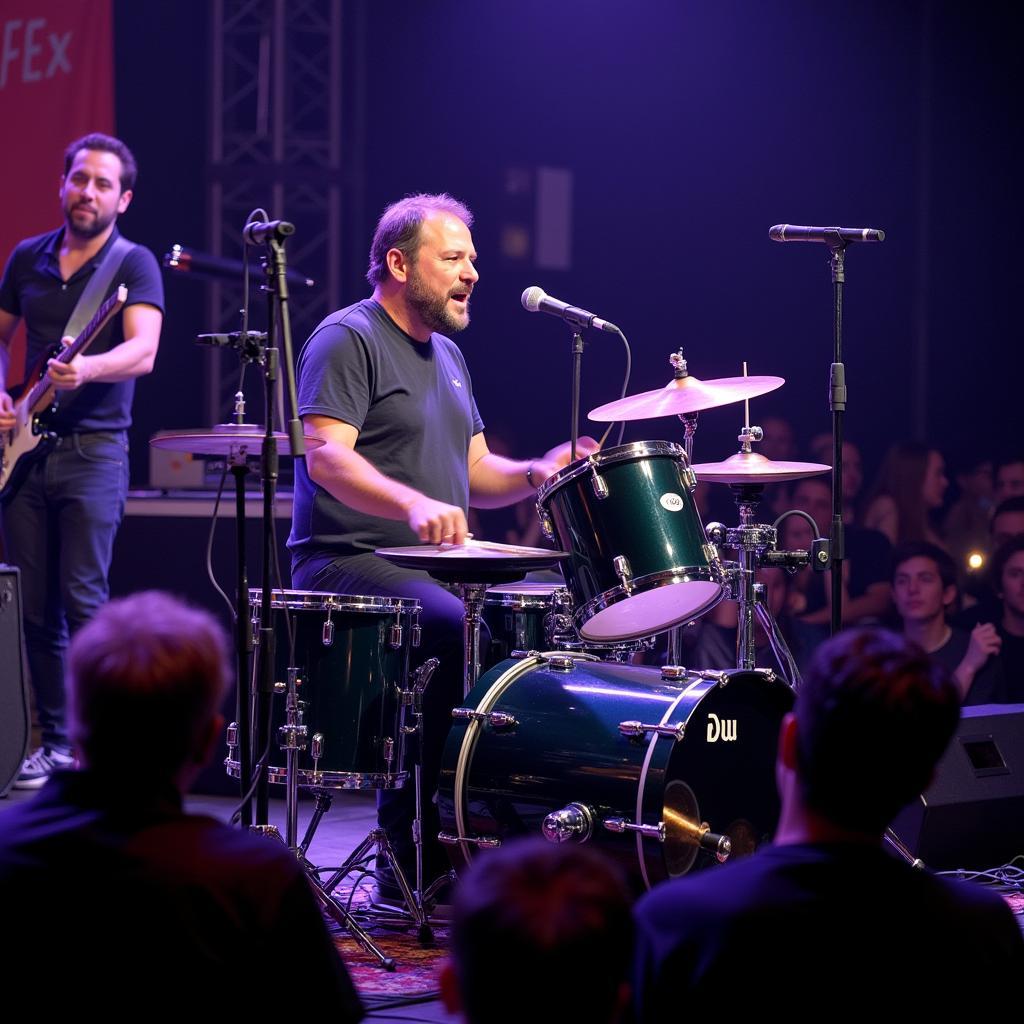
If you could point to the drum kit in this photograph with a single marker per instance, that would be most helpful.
(558, 735)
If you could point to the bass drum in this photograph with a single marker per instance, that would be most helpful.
(637, 761)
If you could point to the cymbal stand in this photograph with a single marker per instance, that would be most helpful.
(689, 422)
(472, 596)
(755, 545)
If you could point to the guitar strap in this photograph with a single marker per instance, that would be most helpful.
(93, 295)
(95, 290)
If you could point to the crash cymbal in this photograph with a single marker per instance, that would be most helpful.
(235, 439)
(686, 395)
(752, 468)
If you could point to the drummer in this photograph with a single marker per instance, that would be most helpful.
(404, 455)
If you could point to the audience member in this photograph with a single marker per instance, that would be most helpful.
(924, 591)
(826, 913)
(1007, 522)
(109, 887)
(966, 525)
(1009, 477)
(866, 595)
(908, 491)
(1007, 572)
(540, 932)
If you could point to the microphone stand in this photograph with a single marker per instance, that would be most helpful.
(278, 322)
(837, 405)
(577, 371)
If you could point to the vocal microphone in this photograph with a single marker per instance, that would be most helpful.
(185, 260)
(830, 236)
(258, 232)
(536, 301)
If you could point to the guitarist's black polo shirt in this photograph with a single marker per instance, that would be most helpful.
(32, 289)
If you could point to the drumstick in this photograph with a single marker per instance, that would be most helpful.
(746, 402)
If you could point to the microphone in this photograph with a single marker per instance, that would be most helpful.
(830, 236)
(535, 300)
(257, 232)
(183, 259)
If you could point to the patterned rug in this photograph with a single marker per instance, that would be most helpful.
(416, 966)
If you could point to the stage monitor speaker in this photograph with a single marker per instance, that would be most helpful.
(972, 815)
(15, 716)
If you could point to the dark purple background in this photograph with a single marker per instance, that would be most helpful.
(690, 128)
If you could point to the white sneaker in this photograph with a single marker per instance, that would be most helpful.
(39, 766)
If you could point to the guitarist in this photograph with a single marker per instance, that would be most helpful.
(60, 517)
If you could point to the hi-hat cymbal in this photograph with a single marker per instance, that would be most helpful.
(684, 395)
(236, 439)
(753, 468)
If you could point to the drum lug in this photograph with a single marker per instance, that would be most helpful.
(547, 527)
(416, 634)
(647, 831)
(624, 571)
(719, 677)
(710, 553)
(484, 842)
(671, 673)
(634, 728)
(600, 486)
(560, 662)
(574, 823)
(291, 737)
(389, 751)
(328, 634)
(395, 636)
(495, 719)
(232, 738)
(316, 748)
(688, 478)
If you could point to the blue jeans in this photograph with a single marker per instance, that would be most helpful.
(59, 529)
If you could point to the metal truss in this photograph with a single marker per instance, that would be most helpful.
(275, 142)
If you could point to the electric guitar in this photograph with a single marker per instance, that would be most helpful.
(29, 438)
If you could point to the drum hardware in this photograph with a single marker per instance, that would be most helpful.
(600, 485)
(641, 730)
(495, 719)
(718, 845)
(574, 823)
(620, 563)
(483, 842)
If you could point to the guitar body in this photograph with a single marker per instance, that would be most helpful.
(29, 439)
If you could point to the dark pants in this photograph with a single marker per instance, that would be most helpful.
(59, 529)
(441, 619)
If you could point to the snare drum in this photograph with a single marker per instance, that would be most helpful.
(633, 760)
(639, 560)
(352, 656)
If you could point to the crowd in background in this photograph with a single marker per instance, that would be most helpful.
(941, 561)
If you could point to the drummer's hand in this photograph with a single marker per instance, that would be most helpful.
(560, 457)
(434, 522)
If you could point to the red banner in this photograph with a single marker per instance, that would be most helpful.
(56, 82)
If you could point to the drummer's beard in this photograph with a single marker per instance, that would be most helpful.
(433, 309)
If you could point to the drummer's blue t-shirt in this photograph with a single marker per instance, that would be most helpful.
(412, 403)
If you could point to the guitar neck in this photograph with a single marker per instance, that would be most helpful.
(39, 395)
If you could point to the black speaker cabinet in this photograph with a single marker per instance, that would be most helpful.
(972, 815)
(15, 716)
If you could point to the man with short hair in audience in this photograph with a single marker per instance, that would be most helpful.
(826, 917)
(1009, 477)
(107, 886)
(541, 933)
(924, 591)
